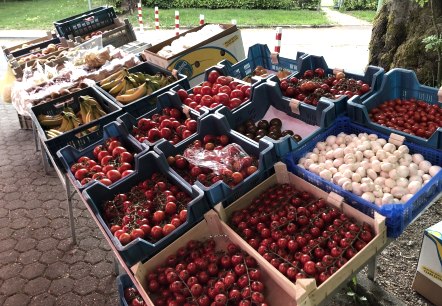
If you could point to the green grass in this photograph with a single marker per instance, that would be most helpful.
(190, 17)
(364, 15)
(40, 15)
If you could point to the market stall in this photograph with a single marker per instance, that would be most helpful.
(253, 180)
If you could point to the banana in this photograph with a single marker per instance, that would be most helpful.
(141, 91)
(112, 77)
(131, 91)
(50, 121)
(52, 133)
(109, 85)
(118, 88)
(64, 124)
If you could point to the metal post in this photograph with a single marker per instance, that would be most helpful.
(70, 209)
(90, 4)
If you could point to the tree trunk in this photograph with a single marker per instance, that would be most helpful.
(397, 35)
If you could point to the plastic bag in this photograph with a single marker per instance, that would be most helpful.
(230, 157)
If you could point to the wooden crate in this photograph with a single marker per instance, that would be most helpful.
(278, 291)
(18, 69)
(314, 295)
(9, 51)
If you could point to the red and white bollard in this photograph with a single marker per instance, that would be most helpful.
(278, 39)
(177, 23)
(140, 17)
(201, 19)
(157, 18)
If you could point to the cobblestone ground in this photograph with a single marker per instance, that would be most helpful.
(39, 265)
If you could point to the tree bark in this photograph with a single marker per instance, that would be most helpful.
(397, 34)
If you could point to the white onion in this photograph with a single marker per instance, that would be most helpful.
(361, 171)
(389, 147)
(402, 182)
(372, 174)
(412, 168)
(426, 177)
(356, 187)
(337, 162)
(414, 186)
(398, 191)
(347, 186)
(387, 198)
(425, 166)
(406, 198)
(331, 139)
(368, 196)
(376, 165)
(404, 149)
(415, 178)
(380, 181)
(403, 171)
(386, 166)
(417, 158)
(393, 174)
(356, 177)
(326, 174)
(390, 183)
(434, 170)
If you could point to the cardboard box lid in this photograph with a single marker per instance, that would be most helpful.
(228, 29)
(434, 233)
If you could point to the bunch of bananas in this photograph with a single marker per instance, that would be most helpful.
(67, 120)
(127, 87)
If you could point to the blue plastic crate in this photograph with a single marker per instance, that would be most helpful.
(147, 103)
(85, 23)
(398, 215)
(397, 83)
(140, 249)
(260, 55)
(372, 76)
(268, 94)
(168, 99)
(123, 282)
(216, 124)
(71, 137)
(69, 155)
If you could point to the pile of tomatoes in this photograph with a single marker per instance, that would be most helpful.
(171, 125)
(217, 90)
(150, 210)
(316, 84)
(111, 162)
(411, 116)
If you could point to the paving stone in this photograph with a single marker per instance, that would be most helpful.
(8, 257)
(29, 256)
(25, 244)
(51, 256)
(94, 256)
(86, 285)
(59, 223)
(103, 269)
(39, 222)
(5, 233)
(5, 222)
(9, 271)
(67, 299)
(47, 244)
(65, 245)
(17, 299)
(7, 244)
(73, 256)
(80, 270)
(12, 286)
(44, 299)
(94, 299)
(56, 270)
(37, 286)
(61, 286)
(32, 270)
(55, 212)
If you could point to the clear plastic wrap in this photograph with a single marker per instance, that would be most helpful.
(230, 157)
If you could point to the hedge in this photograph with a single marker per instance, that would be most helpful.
(358, 4)
(239, 4)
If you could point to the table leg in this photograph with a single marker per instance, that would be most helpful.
(371, 268)
(116, 266)
(36, 140)
(44, 159)
(70, 210)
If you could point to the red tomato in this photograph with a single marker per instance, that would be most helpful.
(213, 76)
(113, 175)
(81, 174)
(118, 150)
(126, 157)
(105, 181)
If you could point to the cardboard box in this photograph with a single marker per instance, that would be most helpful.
(428, 280)
(308, 292)
(226, 45)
